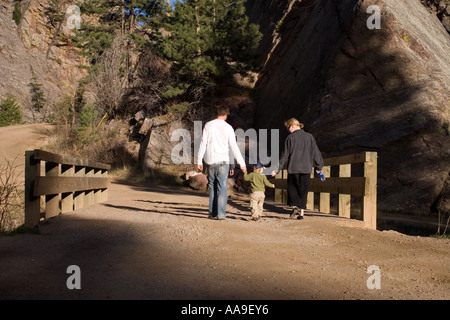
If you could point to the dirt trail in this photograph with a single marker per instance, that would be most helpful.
(15, 140)
(154, 242)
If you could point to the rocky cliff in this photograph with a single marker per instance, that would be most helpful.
(356, 89)
(32, 47)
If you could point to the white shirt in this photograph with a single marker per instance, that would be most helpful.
(218, 140)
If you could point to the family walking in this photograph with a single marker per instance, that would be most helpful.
(218, 149)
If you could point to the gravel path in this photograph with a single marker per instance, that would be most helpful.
(154, 242)
(157, 243)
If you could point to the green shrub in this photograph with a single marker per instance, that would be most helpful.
(10, 112)
(17, 13)
(87, 120)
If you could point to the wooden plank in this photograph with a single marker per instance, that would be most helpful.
(335, 185)
(352, 185)
(347, 159)
(67, 160)
(32, 202)
(55, 185)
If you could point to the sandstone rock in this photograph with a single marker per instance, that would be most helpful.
(198, 181)
(189, 174)
(156, 148)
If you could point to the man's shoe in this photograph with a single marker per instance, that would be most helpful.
(300, 218)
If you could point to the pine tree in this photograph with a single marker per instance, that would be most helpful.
(37, 95)
(10, 112)
(209, 39)
(112, 18)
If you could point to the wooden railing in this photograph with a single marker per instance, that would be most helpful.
(344, 185)
(65, 182)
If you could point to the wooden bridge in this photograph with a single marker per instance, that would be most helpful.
(66, 183)
(344, 184)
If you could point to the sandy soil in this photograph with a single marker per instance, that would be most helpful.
(15, 140)
(154, 242)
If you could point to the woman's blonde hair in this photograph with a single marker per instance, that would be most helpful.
(293, 122)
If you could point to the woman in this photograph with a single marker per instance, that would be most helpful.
(299, 154)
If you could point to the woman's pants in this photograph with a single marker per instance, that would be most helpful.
(298, 188)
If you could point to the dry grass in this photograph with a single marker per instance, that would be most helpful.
(11, 198)
(107, 144)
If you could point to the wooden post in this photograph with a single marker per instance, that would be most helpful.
(51, 201)
(32, 203)
(285, 192)
(369, 205)
(67, 198)
(324, 204)
(344, 199)
(98, 192)
(278, 193)
(79, 196)
(89, 194)
(310, 198)
(104, 192)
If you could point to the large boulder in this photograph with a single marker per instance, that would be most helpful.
(156, 146)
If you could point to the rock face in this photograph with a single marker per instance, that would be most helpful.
(157, 144)
(360, 89)
(441, 8)
(31, 49)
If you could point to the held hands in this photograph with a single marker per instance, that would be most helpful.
(273, 173)
(244, 169)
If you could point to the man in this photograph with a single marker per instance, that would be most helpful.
(300, 151)
(218, 139)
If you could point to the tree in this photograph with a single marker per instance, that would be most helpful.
(87, 120)
(108, 19)
(10, 112)
(209, 39)
(37, 95)
(109, 79)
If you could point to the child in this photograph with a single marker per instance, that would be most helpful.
(258, 183)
